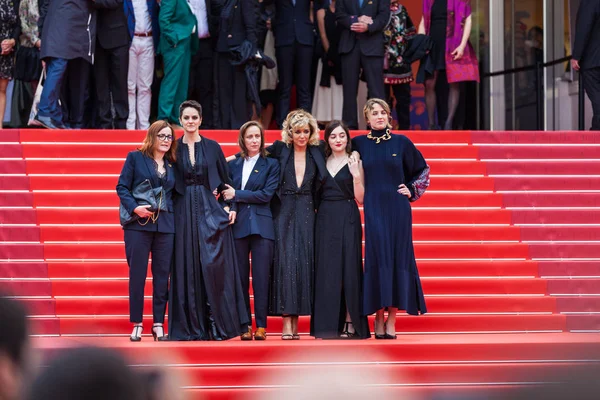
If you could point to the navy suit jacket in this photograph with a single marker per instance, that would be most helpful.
(371, 42)
(292, 22)
(138, 168)
(254, 212)
(153, 8)
(587, 35)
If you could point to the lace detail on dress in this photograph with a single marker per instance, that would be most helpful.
(420, 184)
(160, 175)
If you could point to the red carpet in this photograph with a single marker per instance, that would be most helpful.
(507, 240)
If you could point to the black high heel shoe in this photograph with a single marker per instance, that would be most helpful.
(162, 337)
(379, 336)
(136, 335)
(346, 334)
(387, 335)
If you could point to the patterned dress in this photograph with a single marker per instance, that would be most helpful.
(8, 23)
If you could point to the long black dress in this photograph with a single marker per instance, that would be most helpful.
(391, 275)
(206, 300)
(293, 269)
(338, 261)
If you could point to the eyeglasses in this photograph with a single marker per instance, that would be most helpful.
(193, 117)
(165, 138)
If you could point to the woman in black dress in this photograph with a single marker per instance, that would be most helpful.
(338, 237)
(302, 169)
(395, 174)
(206, 299)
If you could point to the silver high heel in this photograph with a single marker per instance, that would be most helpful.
(136, 335)
(155, 330)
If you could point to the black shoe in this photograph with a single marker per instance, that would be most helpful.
(387, 335)
(346, 334)
(136, 335)
(47, 122)
(377, 335)
(156, 329)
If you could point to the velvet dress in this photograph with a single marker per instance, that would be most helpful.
(206, 301)
(391, 277)
(338, 260)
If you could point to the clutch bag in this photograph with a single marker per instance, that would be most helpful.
(145, 195)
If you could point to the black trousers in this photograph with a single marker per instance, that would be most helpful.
(234, 107)
(201, 85)
(402, 95)
(591, 84)
(262, 258)
(373, 71)
(293, 65)
(138, 246)
(76, 93)
(110, 69)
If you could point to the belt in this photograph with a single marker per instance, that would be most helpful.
(143, 34)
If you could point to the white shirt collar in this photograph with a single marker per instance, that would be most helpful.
(254, 158)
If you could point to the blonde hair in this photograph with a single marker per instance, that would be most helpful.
(370, 104)
(296, 119)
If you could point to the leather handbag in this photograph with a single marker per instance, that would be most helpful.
(145, 195)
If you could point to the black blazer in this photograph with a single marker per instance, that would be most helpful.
(236, 24)
(254, 212)
(138, 168)
(586, 48)
(111, 24)
(371, 42)
(282, 152)
(292, 23)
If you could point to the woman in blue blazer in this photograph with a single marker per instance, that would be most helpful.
(154, 230)
(255, 180)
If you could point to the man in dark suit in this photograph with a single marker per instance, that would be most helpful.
(237, 25)
(255, 179)
(361, 46)
(111, 64)
(586, 53)
(294, 42)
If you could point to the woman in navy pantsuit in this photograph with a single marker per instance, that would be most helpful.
(154, 231)
(255, 180)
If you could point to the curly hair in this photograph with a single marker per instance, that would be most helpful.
(296, 119)
(370, 104)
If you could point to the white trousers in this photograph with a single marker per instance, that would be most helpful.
(139, 82)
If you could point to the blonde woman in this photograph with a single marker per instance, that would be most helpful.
(302, 170)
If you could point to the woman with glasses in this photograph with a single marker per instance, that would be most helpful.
(150, 231)
(206, 300)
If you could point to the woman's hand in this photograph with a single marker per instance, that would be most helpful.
(143, 212)
(458, 53)
(232, 216)
(229, 193)
(403, 190)
(354, 165)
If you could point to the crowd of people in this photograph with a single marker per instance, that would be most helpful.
(123, 63)
(287, 211)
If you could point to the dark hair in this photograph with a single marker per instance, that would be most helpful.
(152, 138)
(87, 373)
(190, 104)
(242, 143)
(14, 332)
(330, 128)
(534, 30)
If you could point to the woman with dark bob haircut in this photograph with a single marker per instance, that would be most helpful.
(255, 180)
(206, 298)
(338, 243)
(149, 231)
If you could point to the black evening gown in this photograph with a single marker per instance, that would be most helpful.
(206, 301)
(391, 276)
(338, 260)
(437, 32)
(293, 269)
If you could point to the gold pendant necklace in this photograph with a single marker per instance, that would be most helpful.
(378, 139)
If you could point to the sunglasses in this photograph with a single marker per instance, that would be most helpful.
(165, 138)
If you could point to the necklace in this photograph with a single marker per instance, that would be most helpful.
(337, 167)
(378, 139)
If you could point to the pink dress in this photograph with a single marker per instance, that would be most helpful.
(466, 68)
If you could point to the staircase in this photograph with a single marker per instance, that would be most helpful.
(506, 238)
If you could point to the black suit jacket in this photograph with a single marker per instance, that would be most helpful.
(254, 212)
(138, 168)
(587, 34)
(292, 23)
(112, 31)
(282, 152)
(371, 42)
(236, 24)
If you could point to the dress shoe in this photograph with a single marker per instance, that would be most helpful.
(48, 123)
(260, 334)
(248, 334)
(158, 332)
(136, 335)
